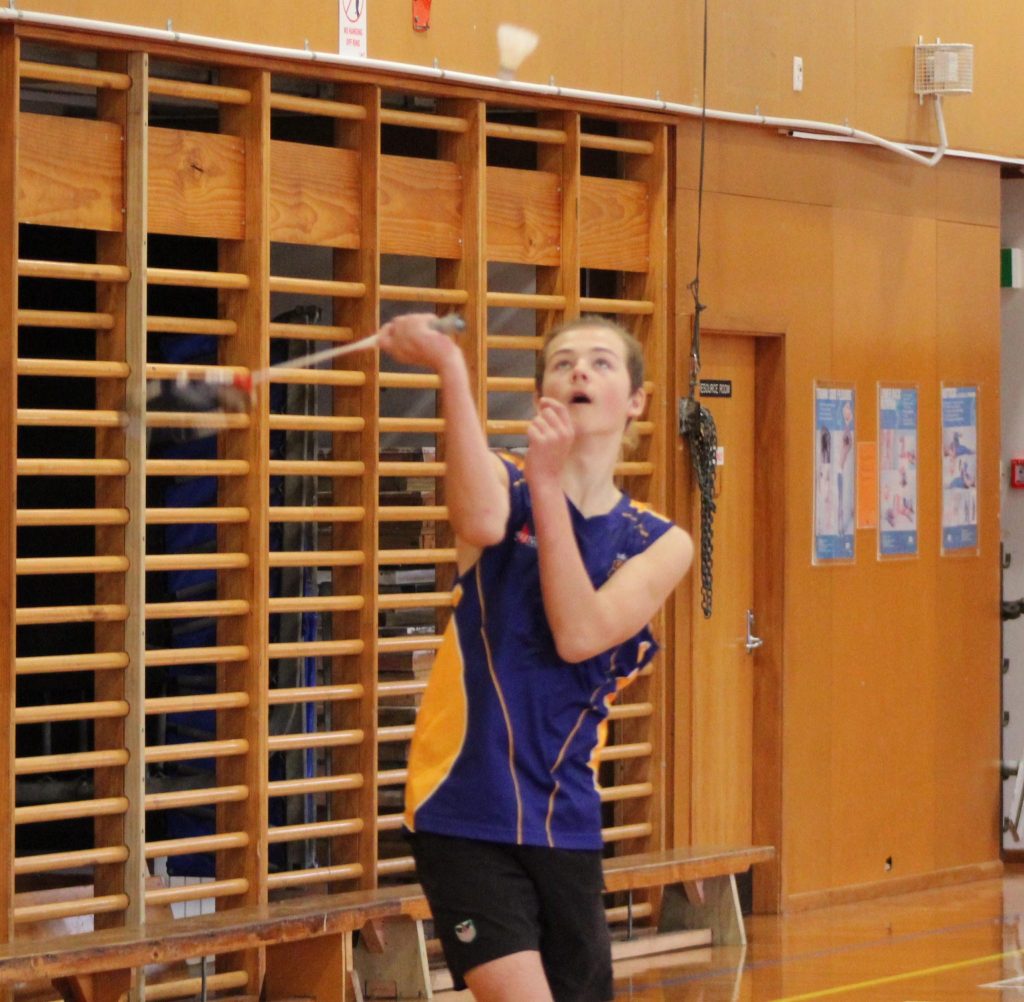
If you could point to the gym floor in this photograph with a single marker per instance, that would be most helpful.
(964, 942)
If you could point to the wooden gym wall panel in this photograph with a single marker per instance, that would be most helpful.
(420, 207)
(314, 195)
(196, 184)
(70, 172)
(523, 216)
(614, 224)
(865, 292)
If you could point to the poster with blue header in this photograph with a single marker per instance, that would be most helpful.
(897, 471)
(834, 473)
(959, 469)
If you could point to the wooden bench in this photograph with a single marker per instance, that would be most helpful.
(308, 939)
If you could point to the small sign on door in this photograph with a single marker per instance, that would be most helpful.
(716, 387)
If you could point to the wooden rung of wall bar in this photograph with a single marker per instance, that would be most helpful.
(394, 734)
(317, 106)
(39, 615)
(406, 687)
(634, 469)
(318, 829)
(511, 384)
(629, 711)
(198, 91)
(57, 418)
(185, 370)
(111, 709)
(185, 752)
(409, 380)
(514, 342)
(395, 867)
(197, 467)
(415, 642)
(197, 516)
(310, 422)
(622, 307)
(70, 565)
(627, 913)
(387, 558)
(628, 791)
(621, 833)
(312, 376)
(317, 603)
(74, 368)
(315, 468)
(69, 909)
(197, 892)
(527, 133)
(423, 120)
(423, 294)
(66, 320)
(209, 607)
(73, 270)
(314, 784)
(390, 822)
(415, 600)
(316, 694)
(406, 469)
(316, 558)
(311, 332)
(614, 753)
(191, 325)
(321, 739)
(71, 467)
(317, 513)
(314, 649)
(317, 287)
(412, 513)
(214, 420)
(197, 279)
(71, 516)
(502, 427)
(78, 75)
(72, 762)
(50, 664)
(168, 656)
(196, 703)
(392, 777)
(318, 875)
(196, 561)
(411, 425)
(525, 301)
(200, 843)
(620, 144)
(178, 799)
(70, 810)
(50, 861)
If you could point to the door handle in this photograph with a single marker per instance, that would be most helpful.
(753, 642)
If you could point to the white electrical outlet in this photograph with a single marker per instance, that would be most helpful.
(798, 73)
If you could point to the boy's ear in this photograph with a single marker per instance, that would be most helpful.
(636, 403)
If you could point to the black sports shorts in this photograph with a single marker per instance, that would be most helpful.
(489, 900)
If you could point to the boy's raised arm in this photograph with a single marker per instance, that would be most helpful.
(476, 482)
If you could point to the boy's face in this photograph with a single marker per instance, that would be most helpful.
(586, 370)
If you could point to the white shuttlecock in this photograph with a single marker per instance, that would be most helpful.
(514, 45)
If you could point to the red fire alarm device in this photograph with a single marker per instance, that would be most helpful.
(1017, 473)
(420, 15)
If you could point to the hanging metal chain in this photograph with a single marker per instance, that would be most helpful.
(698, 425)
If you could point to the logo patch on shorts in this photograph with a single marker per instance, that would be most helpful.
(466, 931)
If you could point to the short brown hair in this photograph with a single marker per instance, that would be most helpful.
(634, 352)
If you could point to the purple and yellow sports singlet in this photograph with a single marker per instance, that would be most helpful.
(507, 735)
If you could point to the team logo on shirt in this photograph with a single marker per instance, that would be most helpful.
(466, 931)
(620, 559)
(525, 537)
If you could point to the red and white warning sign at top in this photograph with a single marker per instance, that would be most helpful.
(352, 27)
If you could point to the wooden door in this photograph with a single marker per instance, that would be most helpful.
(723, 689)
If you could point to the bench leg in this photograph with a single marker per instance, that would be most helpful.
(307, 968)
(712, 904)
(395, 963)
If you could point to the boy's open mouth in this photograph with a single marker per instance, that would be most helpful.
(579, 398)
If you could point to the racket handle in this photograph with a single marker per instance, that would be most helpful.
(450, 323)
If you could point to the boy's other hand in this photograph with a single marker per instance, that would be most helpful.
(549, 436)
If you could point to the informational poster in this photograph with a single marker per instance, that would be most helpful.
(834, 473)
(959, 469)
(352, 28)
(897, 471)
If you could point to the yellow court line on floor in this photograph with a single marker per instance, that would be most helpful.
(892, 978)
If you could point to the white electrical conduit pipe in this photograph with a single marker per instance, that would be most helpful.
(11, 13)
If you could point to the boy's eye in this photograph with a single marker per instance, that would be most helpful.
(602, 362)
